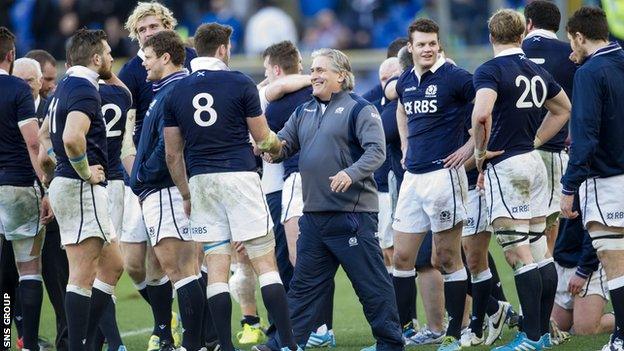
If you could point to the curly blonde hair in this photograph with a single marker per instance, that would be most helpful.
(144, 9)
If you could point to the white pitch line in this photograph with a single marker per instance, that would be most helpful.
(136, 332)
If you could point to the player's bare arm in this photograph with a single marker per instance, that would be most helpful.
(402, 126)
(266, 139)
(285, 85)
(46, 157)
(75, 142)
(30, 132)
(558, 114)
(128, 150)
(390, 91)
(174, 151)
(482, 123)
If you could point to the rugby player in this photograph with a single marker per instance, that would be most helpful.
(161, 202)
(582, 291)
(511, 91)
(596, 166)
(208, 119)
(542, 47)
(24, 210)
(48, 70)
(147, 19)
(78, 134)
(432, 96)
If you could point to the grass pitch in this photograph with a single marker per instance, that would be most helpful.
(352, 331)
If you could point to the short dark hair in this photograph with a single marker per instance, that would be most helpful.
(7, 42)
(543, 14)
(395, 46)
(423, 25)
(209, 36)
(42, 57)
(168, 41)
(84, 44)
(589, 21)
(285, 55)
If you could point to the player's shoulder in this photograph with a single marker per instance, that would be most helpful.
(454, 70)
(490, 66)
(407, 74)
(12, 83)
(115, 91)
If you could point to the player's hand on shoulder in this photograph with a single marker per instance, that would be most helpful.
(97, 174)
(340, 182)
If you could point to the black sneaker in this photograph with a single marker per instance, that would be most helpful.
(261, 347)
(212, 346)
(166, 346)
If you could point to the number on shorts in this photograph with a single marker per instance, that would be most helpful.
(530, 86)
(110, 133)
(206, 107)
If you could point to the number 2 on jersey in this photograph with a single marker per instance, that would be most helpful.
(530, 86)
(110, 133)
(206, 107)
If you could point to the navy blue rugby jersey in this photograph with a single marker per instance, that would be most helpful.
(543, 48)
(393, 139)
(523, 87)
(17, 107)
(116, 102)
(134, 76)
(434, 107)
(278, 112)
(211, 108)
(78, 91)
(597, 120)
(375, 96)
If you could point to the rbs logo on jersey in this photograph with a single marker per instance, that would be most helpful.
(421, 106)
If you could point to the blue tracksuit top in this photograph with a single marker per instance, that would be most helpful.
(597, 121)
(149, 172)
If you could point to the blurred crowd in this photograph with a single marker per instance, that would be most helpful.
(341, 24)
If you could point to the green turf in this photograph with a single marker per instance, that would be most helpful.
(352, 331)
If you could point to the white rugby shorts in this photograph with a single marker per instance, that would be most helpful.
(163, 213)
(556, 164)
(433, 200)
(133, 228)
(602, 200)
(516, 187)
(476, 214)
(19, 220)
(228, 206)
(385, 234)
(596, 285)
(292, 197)
(81, 210)
(115, 189)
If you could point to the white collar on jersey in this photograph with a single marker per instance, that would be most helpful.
(541, 33)
(510, 51)
(141, 54)
(208, 63)
(85, 73)
(3, 72)
(441, 61)
(37, 102)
